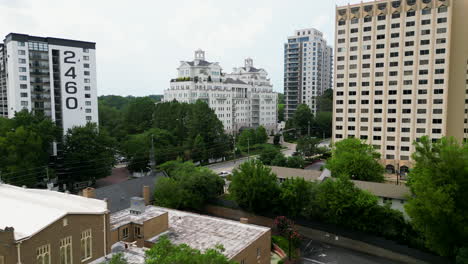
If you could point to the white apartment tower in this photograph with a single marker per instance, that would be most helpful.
(308, 66)
(401, 72)
(54, 76)
(242, 99)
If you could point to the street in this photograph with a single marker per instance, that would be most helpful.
(230, 165)
(320, 253)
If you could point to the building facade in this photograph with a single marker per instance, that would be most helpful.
(48, 227)
(242, 99)
(308, 69)
(400, 74)
(54, 76)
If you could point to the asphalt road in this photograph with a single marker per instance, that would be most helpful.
(319, 253)
(230, 165)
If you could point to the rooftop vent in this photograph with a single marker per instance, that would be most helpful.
(137, 205)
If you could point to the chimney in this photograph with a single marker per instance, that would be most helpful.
(244, 220)
(89, 193)
(146, 194)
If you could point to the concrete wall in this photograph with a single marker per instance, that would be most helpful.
(57, 231)
(317, 235)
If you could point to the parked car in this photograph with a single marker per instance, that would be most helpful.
(224, 174)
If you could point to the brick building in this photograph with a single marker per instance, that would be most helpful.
(47, 227)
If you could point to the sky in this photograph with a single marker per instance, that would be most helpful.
(139, 44)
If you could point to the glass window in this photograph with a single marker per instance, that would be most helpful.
(86, 245)
(66, 250)
(43, 254)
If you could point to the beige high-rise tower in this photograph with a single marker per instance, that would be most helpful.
(401, 72)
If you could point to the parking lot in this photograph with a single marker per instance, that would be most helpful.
(321, 253)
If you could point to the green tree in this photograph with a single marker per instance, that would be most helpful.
(280, 160)
(323, 123)
(338, 201)
(246, 138)
(88, 154)
(261, 136)
(277, 139)
(199, 152)
(22, 154)
(295, 196)
(307, 146)
(164, 252)
(189, 187)
(268, 154)
(295, 162)
(438, 181)
(254, 187)
(325, 101)
(300, 121)
(281, 109)
(26, 140)
(139, 115)
(111, 119)
(356, 160)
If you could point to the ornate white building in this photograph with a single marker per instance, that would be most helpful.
(242, 99)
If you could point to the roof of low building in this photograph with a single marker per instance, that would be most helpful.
(386, 190)
(29, 211)
(287, 173)
(125, 217)
(133, 255)
(119, 194)
(204, 232)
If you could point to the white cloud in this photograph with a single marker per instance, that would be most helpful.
(140, 43)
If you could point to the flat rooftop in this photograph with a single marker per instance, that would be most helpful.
(125, 217)
(29, 211)
(133, 255)
(203, 232)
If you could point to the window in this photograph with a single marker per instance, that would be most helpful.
(410, 13)
(88, 118)
(23, 86)
(85, 50)
(87, 80)
(442, 9)
(23, 78)
(21, 52)
(367, 29)
(24, 94)
(426, 11)
(125, 232)
(259, 252)
(426, 22)
(441, 20)
(22, 61)
(88, 103)
(425, 42)
(86, 58)
(43, 254)
(86, 73)
(137, 231)
(441, 30)
(243, 261)
(86, 245)
(24, 103)
(88, 110)
(66, 250)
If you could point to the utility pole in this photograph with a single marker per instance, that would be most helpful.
(248, 148)
(308, 129)
(152, 156)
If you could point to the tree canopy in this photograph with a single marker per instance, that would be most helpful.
(187, 187)
(164, 252)
(26, 143)
(438, 207)
(254, 186)
(354, 159)
(88, 154)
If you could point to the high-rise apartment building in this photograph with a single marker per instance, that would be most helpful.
(400, 74)
(308, 66)
(242, 99)
(54, 76)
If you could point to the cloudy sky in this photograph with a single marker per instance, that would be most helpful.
(140, 43)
